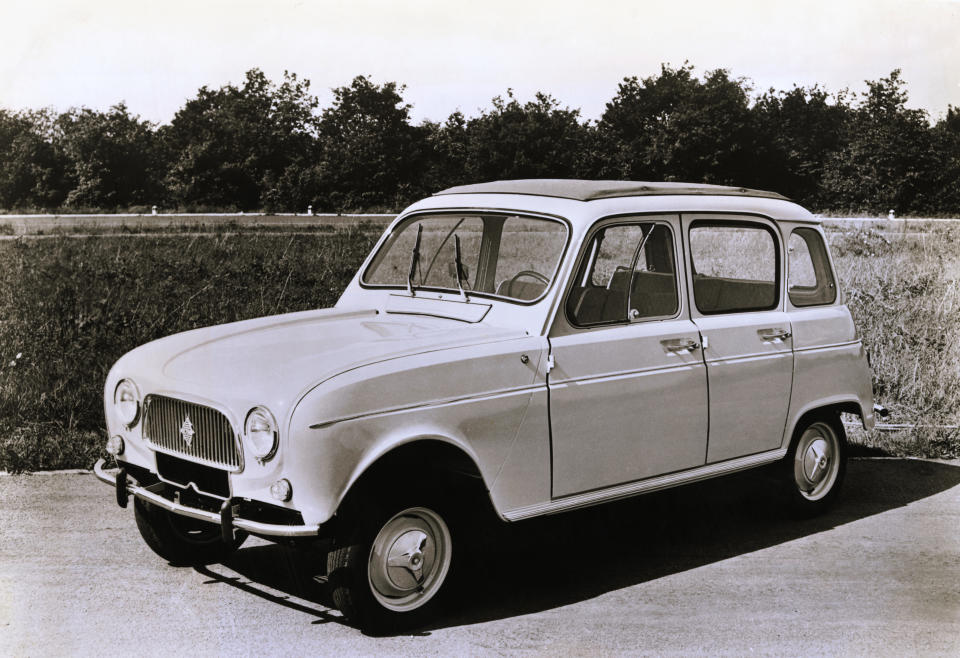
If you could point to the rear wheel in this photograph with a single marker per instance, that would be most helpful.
(387, 573)
(181, 540)
(815, 466)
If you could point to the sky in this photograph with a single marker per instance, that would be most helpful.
(458, 55)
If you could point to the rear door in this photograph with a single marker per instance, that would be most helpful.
(735, 278)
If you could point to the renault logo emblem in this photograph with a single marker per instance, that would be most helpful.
(186, 431)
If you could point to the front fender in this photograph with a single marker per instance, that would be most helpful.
(473, 398)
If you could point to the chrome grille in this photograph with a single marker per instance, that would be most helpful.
(213, 440)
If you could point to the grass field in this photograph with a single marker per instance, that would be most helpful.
(70, 306)
(903, 289)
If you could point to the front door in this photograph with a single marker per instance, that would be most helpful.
(735, 276)
(628, 391)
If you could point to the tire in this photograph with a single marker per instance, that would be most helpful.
(180, 540)
(387, 569)
(815, 466)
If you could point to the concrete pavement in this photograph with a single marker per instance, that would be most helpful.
(709, 569)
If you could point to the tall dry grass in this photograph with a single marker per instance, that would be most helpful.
(69, 307)
(903, 289)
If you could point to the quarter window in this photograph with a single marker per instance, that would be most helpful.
(811, 281)
(628, 272)
(734, 267)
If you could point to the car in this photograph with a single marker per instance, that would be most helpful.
(518, 348)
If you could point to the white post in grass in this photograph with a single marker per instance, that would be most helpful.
(154, 211)
(310, 210)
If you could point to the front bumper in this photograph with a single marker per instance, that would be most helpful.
(224, 519)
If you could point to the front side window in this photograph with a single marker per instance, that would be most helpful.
(627, 273)
(811, 280)
(734, 267)
(505, 256)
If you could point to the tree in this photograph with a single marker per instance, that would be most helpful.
(446, 149)
(676, 127)
(946, 148)
(31, 169)
(113, 157)
(234, 147)
(887, 158)
(370, 154)
(797, 131)
(538, 139)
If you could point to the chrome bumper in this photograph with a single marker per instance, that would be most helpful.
(225, 520)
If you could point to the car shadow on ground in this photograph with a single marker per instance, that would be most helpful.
(554, 561)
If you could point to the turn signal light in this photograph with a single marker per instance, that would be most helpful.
(281, 490)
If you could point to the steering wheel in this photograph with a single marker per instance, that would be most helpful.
(530, 273)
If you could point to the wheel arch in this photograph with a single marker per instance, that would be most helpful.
(449, 465)
(835, 408)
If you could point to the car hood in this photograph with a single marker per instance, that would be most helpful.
(275, 360)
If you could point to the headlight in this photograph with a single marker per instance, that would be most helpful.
(126, 399)
(262, 435)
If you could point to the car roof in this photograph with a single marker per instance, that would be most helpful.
(591, 190)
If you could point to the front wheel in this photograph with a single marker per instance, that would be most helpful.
(181, 540)
(387, 574)
(815, 465)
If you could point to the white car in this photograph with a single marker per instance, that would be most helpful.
(529, 346)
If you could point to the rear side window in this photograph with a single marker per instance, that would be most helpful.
(734, 267)
(811, 280)
(628, 273)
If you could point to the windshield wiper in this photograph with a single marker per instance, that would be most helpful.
(414, 261)
(458, 263)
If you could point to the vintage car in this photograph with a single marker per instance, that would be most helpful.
(522, 347)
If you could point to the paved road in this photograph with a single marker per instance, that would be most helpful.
(711, 569)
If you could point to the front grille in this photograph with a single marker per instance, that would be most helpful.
(207, 437)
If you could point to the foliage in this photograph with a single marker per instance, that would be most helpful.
(237, 147)
(676, 127)
(266, 145)
(946, 149)
(538, 139)
(885, 160)
(32, 171)
(447, 149)
(114, 157)
(369, 153)
(796, 132)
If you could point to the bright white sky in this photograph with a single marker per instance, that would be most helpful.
(451, 54)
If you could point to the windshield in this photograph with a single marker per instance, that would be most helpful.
(500, 255)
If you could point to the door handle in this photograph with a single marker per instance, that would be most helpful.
(680, 344)
(774, 333)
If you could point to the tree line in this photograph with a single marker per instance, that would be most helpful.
(265, 145)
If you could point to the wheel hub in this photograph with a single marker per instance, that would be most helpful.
(816, 461)
(406, 560)
(409, 559)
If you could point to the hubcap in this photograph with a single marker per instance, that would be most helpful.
(409, 559)
(816, 461)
